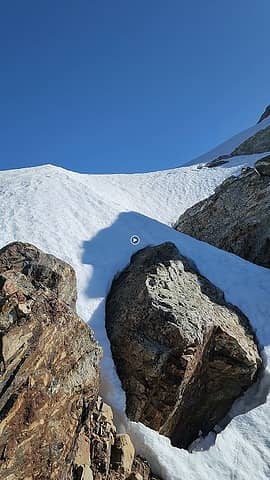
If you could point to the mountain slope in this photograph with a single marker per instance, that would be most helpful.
(87, 220)
(230, 145)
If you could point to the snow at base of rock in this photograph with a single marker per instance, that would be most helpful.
(88, 220)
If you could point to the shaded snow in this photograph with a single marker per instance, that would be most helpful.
(87, 220)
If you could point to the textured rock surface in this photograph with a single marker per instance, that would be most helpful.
(183, 355)
(49, 365)
(258, 143)
(263, 166)
(41, 269)
(53, 425)
(112, 454)
(236, 218)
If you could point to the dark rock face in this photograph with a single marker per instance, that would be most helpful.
(236, 218)
(263, 166)
(265, 114)
(217, 162)
(258, 143)
(53, 425)
(183, 355)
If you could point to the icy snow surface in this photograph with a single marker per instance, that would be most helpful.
(87, 220)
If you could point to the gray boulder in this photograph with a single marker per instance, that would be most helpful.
(182, 353)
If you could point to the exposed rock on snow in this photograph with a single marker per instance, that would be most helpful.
(52, 424)
(265, 114)
(258, 143)
(183, 355)
(236, 217)
(217, 162)
(263, 166)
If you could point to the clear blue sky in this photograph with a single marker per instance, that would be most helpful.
(128, 85)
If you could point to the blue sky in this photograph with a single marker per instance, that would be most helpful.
(125, 86)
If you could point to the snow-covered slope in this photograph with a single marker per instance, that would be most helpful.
(88, 220)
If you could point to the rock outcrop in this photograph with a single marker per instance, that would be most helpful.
(262, 166)
(265, 114)
(49, 366)
(112, 455)
(236, 218)
(182, 353)
(258, 143)
(53, 425)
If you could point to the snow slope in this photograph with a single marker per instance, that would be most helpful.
(87, 220)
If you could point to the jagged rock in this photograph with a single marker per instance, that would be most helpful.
(236, 217)
(182, 353)
(217, 162)
(141, 471)
(265, 114)
(49, 366)
(53, 425)
(123, 454)
(112, 454)
(102, 437)
(263, 166)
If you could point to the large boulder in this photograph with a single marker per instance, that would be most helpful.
(182, 353)
(53, 425)
(236, 217)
